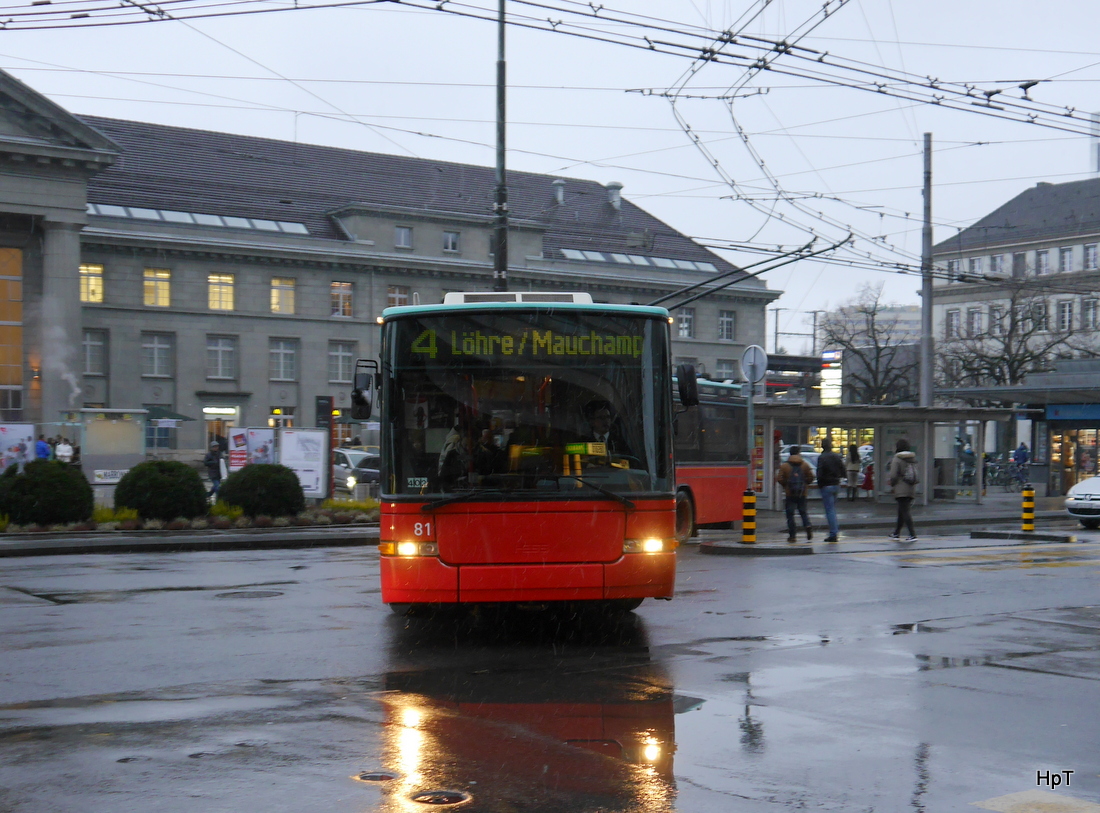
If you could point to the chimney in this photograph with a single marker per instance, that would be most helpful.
(614, 195)
(559, 191)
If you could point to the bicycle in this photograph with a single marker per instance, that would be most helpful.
(1016, 477)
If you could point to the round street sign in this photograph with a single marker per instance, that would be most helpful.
(754, 363)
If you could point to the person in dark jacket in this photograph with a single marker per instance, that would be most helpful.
(213, 463)
(795, 475)
(830, 471)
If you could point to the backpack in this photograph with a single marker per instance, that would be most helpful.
(796, 482)
(910, 474)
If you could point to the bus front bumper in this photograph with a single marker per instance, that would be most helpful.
(427, 579)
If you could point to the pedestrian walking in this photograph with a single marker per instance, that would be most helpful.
(851, 468)
(902, 477)
(213, 463)
(795, 475)
(830, 471)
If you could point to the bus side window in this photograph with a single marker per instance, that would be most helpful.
(686, 441)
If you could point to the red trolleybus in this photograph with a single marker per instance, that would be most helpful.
(526, 451)
(712, 469)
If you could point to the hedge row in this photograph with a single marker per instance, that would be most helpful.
(48, 492)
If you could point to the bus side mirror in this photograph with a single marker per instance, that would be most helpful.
(362, 393)
(688, 385)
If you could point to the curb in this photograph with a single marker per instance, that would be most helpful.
(180, 541)
(1024, 536)
(764, 549)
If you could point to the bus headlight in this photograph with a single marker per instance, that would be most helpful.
(648, 545)
(408, 548)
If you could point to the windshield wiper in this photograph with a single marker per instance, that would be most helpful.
(600, 489)
(463, 497)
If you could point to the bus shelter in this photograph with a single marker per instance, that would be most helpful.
(945, 440)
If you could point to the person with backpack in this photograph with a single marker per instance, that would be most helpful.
(902, 477)
(795, 475)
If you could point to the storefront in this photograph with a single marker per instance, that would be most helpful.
(1073, 431)
(1063, 438)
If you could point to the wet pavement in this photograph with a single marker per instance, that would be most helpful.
(945, 676)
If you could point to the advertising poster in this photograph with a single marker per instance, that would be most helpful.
(238, 448)
(250, 445)
(16, 444)
(305, 452)
(261, 445)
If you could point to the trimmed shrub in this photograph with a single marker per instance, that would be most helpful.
(264, 488)
(47, 493)
(162, 489)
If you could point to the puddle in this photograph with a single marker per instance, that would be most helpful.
(133, 711)
(104, 596)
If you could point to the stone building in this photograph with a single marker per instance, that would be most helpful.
(233, 279)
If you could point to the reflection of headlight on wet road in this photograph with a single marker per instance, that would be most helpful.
(652, 752)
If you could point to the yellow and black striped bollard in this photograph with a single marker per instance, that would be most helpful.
(748, 517)
(1028, 515)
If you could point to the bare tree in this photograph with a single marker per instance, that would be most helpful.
(1017, 337)
(880, 361)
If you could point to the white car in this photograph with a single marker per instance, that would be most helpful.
(1083, 502)
(344, 462)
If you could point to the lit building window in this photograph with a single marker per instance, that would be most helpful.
(91, 282)
(158, 287)
(282, 295)
(340, 298)
(220, 291)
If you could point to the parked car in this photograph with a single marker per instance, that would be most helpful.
(344, 461)
(1083, 502)
(365, 471)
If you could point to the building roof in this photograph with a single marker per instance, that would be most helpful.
(1046, 210)
(175, 168)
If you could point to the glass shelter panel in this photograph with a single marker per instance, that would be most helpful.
(527, 405)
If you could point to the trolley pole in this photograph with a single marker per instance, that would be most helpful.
(500, 207)
(926, 339)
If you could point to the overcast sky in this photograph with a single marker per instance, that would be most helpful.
(390, 78)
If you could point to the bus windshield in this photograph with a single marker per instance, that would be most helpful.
(535, 403)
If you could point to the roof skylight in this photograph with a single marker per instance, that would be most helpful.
(635, 259)
(196, 218)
